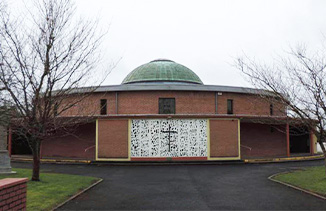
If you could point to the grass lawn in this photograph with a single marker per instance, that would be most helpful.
(53, 188)
(312, 178)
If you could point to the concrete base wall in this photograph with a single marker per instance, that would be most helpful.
(81, 145)
(263, 140)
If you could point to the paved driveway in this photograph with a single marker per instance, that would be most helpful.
(188, 187)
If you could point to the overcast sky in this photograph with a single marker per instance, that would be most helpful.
(203, 35)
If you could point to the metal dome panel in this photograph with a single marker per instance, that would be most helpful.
(162, 70)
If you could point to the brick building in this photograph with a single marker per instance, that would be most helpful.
(163, 111)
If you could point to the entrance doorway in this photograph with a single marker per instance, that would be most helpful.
(19, 146)
(299, 140)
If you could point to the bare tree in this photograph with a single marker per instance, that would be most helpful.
(298, 81)
(44, 56)
(4, 110)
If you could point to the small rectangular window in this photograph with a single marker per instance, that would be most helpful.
(271, 111)
(103, 108)
(229, 106)
(166, 105)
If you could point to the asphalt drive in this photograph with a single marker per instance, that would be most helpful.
(187, 187)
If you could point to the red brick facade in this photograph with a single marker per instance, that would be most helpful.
(247, 104)
(187, 102)
(124, 105)
(80, 145)
(262, 140)
(224, 138)
(13, 194)
(113, 138)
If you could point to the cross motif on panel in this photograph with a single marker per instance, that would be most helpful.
(169, 132)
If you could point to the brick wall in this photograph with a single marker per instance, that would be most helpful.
(187, 102)
(113, 138)
(224, 138)
(147, 102)
(13, 194)
(248, 104)
(263, 139)
(90, 105)
(80, 145)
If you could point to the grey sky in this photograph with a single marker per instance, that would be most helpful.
(203, 35)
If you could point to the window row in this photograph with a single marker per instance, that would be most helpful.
(167, 106)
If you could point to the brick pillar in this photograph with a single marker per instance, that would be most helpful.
(287, 139)
(13, 194)
(312, 143)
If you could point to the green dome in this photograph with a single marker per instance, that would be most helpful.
(162, 70)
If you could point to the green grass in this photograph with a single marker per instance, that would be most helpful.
(53, 189)
(312, 178)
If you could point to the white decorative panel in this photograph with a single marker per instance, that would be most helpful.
(169, 138)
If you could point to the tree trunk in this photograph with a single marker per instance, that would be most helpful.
(36, 168)
(325, 162)
(36, 162)
(321, 144)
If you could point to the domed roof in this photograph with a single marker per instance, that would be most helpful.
(162, 70)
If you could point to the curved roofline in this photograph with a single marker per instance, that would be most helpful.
(170, 87)
(161, 60)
